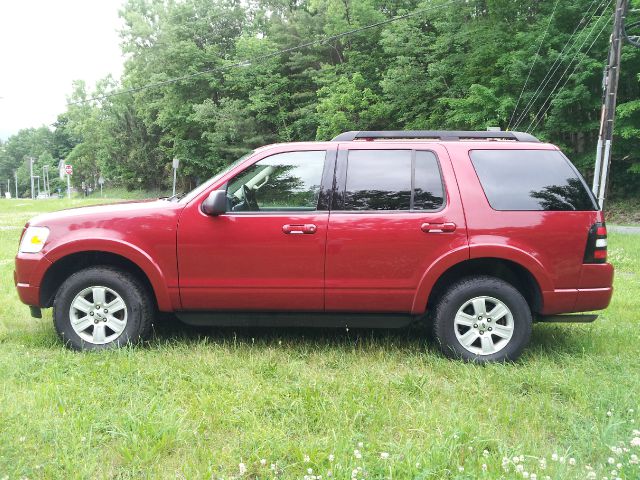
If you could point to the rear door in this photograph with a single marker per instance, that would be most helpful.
(395, 211)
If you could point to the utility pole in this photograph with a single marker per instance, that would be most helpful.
(15, 176)
(610, 84)
(31, 170)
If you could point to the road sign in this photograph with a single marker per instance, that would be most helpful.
(68, 169)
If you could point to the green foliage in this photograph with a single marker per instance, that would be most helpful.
(461, 65)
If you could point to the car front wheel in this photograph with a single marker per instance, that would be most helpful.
(482, 319)
(102, 307)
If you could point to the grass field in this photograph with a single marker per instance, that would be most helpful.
(296, 403)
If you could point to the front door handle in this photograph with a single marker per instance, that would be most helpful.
(446, 227)
(307, 228)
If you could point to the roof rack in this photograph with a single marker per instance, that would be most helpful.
(445, 135)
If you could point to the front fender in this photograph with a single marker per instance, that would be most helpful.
(119, 247)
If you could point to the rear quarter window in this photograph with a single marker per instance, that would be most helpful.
(542, 180)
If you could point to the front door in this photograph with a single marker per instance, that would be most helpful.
(268, 251)
(396, 211)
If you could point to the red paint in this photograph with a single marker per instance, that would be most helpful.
(334, 261)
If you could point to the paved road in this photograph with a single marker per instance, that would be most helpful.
(624, 229)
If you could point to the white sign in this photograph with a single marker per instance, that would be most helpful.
(101, 180)
(68, 169)
(176, 163)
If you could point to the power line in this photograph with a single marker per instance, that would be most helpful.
(533, 64)
(571, 42)
(540, 115)
(260, 58)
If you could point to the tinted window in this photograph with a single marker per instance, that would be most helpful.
(285, 181)
(382, 180)
(428, 193)
(530, 180)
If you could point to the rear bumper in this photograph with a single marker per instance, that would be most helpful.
(27, 276)
(593, 293)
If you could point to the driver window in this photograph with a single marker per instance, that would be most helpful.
(282, 182)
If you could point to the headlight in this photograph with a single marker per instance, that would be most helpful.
(34, 239)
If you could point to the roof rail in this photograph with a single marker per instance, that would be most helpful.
(445, 135)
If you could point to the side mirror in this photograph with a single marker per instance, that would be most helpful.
(216, 203)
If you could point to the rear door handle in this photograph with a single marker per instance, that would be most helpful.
(447, 227)
(307, 228)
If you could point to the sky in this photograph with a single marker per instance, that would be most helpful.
(44, 46)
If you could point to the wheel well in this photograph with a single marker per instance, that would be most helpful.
(506, 270)
(67, 266)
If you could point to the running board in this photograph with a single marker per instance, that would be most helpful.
(297, 319)
(567, 318)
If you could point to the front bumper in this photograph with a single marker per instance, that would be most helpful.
(27, 276)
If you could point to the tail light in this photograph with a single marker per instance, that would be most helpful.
(596, 251)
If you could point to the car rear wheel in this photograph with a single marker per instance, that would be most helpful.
(102, 307)
(482, 319)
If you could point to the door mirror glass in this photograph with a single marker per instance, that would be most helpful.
(215, 203)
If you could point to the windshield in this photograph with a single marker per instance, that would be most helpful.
(187, 197)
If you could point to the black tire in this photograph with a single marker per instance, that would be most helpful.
(463, 291)
(137, 298)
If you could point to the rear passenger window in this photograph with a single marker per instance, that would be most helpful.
(393, 180)
(530, 180)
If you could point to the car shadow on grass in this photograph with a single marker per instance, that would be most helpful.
(545, 339)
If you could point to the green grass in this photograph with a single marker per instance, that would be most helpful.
(623, 212)
(196, 404)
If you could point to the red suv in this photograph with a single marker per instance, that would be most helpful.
(478, 232)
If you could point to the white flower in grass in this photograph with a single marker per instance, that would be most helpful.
(522, 458)
(572, 461)
(243, 468)
(357, 454)
(306, 459)
(618, 466)
(635, 442)
(485, 453)
(484, 467)
(633, 459)
(519, 468)
(614, 473)
(591, 475)
(384, 455)
(309, 471)
(417, 464)
(329, 473)
(561, 459)
(360, 444)
(263, 462)
(554, 457)
(543, 463)
(533, 476)
(273, 466)
(354, 473)
(611, 461)
(460, 468)
(470, 448)
(516, 459)
(631, 410)
(331, 458)
(525, 474)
